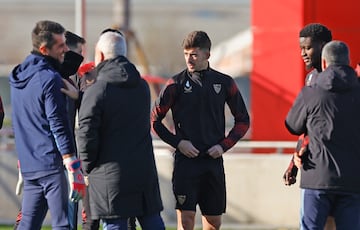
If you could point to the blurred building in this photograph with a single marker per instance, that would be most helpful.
(159, 26)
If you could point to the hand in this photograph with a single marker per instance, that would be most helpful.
(86, 180)
(187, 148)
(20, 182)
(290, 173)
(216, 151)
(76, 178)
(297, 157)
(70, 90)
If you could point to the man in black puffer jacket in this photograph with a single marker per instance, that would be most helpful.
(114, 141)
(328, 112)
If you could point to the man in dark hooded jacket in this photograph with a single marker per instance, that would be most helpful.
(328, 112)
(312, 39)
(114, 141)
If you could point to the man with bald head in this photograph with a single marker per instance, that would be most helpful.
(114, 141)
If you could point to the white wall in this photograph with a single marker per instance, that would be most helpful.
(256, 193)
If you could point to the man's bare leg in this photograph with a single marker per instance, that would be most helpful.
(211, 222)
(185, 219)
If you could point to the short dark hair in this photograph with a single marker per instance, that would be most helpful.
(197, 39)
(72, 40)
(43, 33)
(317, 32)
(336, 53)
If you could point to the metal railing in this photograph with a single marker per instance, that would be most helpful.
(278, 147)
(246, 146)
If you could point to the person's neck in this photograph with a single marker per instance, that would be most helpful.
(318, 68)
(53, 62)
(202, 69)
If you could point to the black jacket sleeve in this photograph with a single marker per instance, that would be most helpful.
(162, 105)
(296, 118)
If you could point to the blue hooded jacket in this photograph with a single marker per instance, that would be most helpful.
(39, 117)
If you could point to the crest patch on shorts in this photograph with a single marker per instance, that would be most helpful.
(181, 199)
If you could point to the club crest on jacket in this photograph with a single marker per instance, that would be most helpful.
(217, 88)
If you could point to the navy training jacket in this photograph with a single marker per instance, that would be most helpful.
(39, 118)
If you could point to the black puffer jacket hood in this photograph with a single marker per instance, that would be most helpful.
(118, 71)
(337, 78)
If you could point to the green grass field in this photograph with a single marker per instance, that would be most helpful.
(7, 227)
(3, 227)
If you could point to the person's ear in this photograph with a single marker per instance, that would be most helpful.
(102, 56)
(43, 50)
(323, 64)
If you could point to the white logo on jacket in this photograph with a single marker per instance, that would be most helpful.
(187, 87)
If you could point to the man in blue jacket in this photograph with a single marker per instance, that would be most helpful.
(42, 132)
(328, 112)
